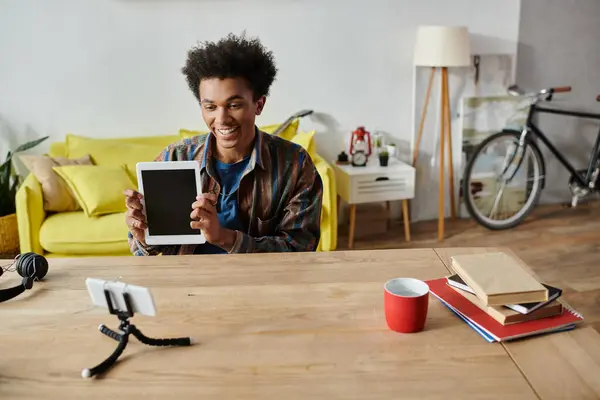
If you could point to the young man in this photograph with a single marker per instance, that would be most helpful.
(260, 193)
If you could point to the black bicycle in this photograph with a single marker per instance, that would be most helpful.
(505, 174)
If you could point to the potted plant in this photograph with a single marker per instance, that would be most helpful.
(391, 148)
(383, 158)
(9, 183)
(377, 141)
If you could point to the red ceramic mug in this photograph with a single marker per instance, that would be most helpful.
(406, 301)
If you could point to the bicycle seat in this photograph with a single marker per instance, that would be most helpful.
(598, 98)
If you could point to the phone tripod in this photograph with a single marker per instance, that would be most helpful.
(126, 328)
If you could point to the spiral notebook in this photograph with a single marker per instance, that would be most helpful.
(489, 328)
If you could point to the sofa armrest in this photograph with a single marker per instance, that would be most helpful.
(30, 214)
(329, 222)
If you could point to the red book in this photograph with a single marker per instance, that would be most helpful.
(489, 325)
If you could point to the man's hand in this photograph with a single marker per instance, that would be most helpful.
(204, 217)
(134, 218)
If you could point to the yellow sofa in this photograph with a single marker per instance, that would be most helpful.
(75, 234)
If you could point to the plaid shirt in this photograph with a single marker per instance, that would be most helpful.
(279, 196)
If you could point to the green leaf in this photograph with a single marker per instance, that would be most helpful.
(9, 183)
(14, 187)
(7, 162)
(3, 167)
(5, 174)
(30, 145)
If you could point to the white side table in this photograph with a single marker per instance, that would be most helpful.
(373, 183)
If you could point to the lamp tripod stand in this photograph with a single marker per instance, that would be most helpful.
(445, 134)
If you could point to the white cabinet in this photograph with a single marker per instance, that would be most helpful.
(373, 183)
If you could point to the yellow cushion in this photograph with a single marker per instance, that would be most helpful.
(58, 149)
(75, 233)
(307, 141)
(98, 189)
(163, 140)
(187, 133)
(116, 152)
(287, 133)
(57, 196)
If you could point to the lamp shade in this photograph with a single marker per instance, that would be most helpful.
(442, 46)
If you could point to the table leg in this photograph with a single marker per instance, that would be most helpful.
(352, 225)
(387, 208)
(406, 220)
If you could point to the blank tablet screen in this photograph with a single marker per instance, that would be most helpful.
(168, 195)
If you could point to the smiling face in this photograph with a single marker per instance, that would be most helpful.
(229, 110)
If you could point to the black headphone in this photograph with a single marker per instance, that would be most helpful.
(31, 267)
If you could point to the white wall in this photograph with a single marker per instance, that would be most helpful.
(564, 54)
(112, 67)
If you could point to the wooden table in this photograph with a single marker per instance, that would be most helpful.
(273, 326)
(558, 366)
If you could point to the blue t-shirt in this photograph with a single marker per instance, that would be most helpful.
(227, 206)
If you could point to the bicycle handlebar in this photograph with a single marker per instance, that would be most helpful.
(560, 89)
(547, 93)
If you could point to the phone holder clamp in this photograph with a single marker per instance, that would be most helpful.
(122, 337)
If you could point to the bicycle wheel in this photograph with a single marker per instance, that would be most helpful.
(503, 181)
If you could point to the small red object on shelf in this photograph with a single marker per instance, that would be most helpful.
(361, 140)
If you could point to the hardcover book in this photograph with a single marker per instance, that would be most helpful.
(507, 316)
(525, 308)
(498, 279)
(491, 329)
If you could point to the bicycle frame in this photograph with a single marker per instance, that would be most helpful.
(531, 127)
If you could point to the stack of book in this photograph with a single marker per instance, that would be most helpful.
(497, 297)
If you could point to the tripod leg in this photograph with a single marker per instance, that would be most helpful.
(110, 333)
(441, 195)
(574, 201)
(423, 115)
(449, 137)
(159, 342)
(106, 364)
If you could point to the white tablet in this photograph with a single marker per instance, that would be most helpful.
(169, 189)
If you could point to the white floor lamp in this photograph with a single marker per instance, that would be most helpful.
(441, 47)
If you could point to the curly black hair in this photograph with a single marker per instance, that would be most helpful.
(231, 57)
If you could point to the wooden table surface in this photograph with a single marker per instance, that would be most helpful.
(558, 366)
(273, 326)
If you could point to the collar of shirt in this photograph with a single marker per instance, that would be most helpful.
(258, 157)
